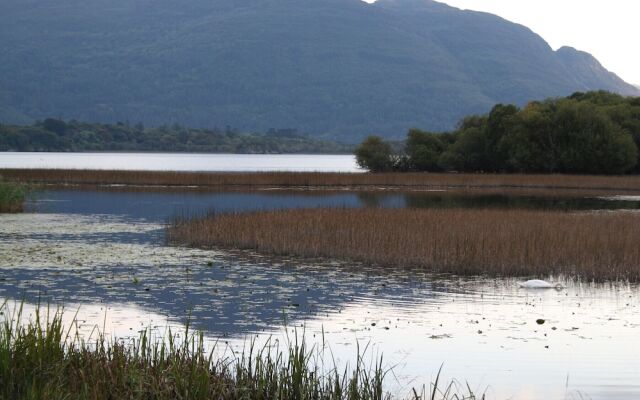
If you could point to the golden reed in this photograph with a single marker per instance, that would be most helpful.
(323, 180)
(594, 246)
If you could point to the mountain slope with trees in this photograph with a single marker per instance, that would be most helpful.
(339, 68)
(58, 135)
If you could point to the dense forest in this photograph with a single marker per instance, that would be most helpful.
(58, 135)
(585, 133)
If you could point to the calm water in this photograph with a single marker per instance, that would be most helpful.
(160, 206)
(103, 252)
(181, 162)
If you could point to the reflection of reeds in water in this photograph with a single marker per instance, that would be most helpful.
(12, 197)
(324, 180)
(597, 246)
(40, 359)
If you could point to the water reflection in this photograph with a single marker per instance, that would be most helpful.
(444, 199)
(104, 252)
(158, 206)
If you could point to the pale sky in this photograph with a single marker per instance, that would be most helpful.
(608, 29)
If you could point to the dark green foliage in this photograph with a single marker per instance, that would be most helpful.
(54, 125)
(12, 196)
(57, 135)
(569, 137)
(623, 111)
(375, 155)
(342, 68)
(424, 150)
(586, 133)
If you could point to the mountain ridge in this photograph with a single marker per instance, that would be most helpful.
(336, 68)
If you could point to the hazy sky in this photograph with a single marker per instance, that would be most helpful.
(608, 29)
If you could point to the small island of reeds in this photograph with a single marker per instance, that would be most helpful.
(589, 245)
(12, 196)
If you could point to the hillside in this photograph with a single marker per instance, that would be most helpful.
(75, 136)
(337, 68)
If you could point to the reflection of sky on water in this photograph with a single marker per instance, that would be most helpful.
(159, 206)
(485, 331)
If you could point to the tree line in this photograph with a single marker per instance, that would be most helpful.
(585, 133)
(57, 135)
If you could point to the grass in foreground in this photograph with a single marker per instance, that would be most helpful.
(215, 180)
(42, 360)
(12, 197)
(593, 246)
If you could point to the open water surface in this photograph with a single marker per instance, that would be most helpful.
(103, 253)
(182, 161)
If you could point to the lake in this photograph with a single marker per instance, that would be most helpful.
(103, 253)
(182, 162)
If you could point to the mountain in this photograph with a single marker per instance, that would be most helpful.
(338, 68)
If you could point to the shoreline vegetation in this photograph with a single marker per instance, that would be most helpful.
(75, 136)
(628, 184)
(594, 246)
(585, 133)
(42, 359)
(12, 196)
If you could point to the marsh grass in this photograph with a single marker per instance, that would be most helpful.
(12, 196)
(40, 359)
(592, 246)
(324, 180)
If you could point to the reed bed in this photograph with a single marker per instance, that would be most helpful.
(323, 180)
(593, 246)
(12, 197)
(43, 360)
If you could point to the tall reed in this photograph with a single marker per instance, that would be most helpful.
(594, 246)
(40, 359)
(12, 196)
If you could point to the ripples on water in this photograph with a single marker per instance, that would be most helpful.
(113, 267)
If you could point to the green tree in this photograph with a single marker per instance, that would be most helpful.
(375, 155)
(56, 126)
(424, 150)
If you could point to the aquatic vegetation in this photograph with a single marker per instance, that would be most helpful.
(216, 180)
(42, 359)
(594, 246)
(83, 242)
(12, 196)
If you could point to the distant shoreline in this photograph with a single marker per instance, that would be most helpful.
(306, 153)
(583, 184)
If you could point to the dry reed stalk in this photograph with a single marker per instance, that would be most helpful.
(323, 180)
(594, 246)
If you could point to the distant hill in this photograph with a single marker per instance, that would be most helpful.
(337, 68)
(73, 136)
